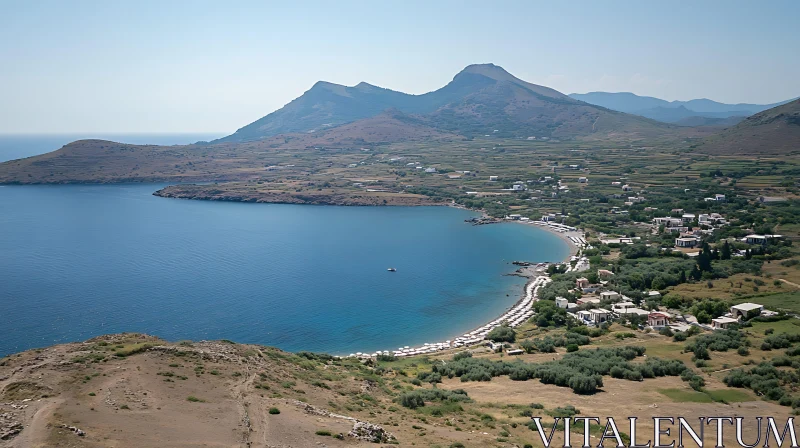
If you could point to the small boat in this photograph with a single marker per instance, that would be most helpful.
(392, 270)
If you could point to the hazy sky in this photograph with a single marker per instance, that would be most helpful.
(170, 66)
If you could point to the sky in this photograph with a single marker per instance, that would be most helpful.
(209, 66)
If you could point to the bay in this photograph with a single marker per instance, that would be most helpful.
(77, 261)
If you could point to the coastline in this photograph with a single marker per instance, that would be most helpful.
(516, 314)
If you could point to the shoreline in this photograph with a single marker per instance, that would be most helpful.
(518, 313)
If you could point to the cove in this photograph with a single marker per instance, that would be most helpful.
(84, 260)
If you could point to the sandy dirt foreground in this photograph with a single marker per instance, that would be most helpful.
(134, 390)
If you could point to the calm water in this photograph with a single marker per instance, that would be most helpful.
(78, 261)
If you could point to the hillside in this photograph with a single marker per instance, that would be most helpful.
(670, 111)
(100, 161)
(774, 131)
(479, 99)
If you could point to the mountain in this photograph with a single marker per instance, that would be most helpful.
(325, 105)
(709, 121)
(773, 131)
(480, 99)
(670, 111)
(682, 114)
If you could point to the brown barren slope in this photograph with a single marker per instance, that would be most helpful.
(774, 131)
(100, 161)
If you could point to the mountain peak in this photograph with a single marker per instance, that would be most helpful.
(325, 85)
(499, 74)
(366, 87)
(490, 71)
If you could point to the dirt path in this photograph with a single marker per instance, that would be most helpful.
(35, 432)
(790, 283)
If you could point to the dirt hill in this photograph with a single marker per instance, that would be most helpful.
(774, 131)
(133, 390)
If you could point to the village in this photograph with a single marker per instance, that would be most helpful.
(598, 300)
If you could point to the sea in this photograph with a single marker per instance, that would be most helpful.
(77, 261)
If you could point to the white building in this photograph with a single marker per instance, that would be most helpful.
(760, 239)
(599, 315)
(609, 295)
(745, 309)
(722, 323)
(686, 242)
(657, 319)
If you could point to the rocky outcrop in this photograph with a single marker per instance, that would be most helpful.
(371, 432)
(9, 426)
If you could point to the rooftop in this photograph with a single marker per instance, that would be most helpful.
(747, 306)
(724, 320)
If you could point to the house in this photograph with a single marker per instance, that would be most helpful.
(755, 239)
(654, 295)
(583, 180)
(430, 170)
(744, 310)
(622, 306)
(632, 311)
(585, 300)
(604, 273)
(667, 222)
(599, 315)
(609, 295)
(494, 346)
(562, 302)
(518, 187)
(719, 197)
(722, 323)
(626, 187)
(760, 239)
(514, 217)
(687, 217)
(657, 319)
(677, 211)
(582, 282)
(493, 178)
(584, 315)
(686, 242)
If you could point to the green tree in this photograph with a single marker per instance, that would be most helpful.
(726, 251)
(502, 333)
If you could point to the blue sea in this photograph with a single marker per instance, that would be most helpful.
(78, 261)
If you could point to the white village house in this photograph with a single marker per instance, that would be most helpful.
(722, 323)
(657, 319)
(743, 310)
